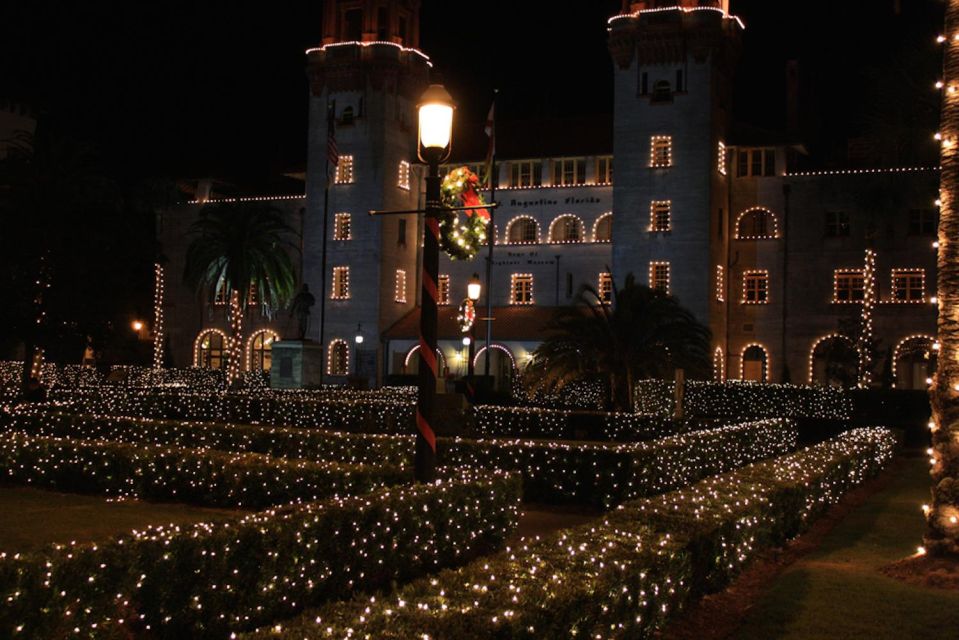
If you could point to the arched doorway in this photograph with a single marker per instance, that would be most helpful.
(755, 364)
(260, 350)
(913, 362)
(209, 350)
(834, 361)
(411, 364)
(502, 366)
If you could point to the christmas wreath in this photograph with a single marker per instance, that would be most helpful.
(466, 315)
(462, 239)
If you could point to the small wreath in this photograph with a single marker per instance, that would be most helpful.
(462, 240)
(466, 315)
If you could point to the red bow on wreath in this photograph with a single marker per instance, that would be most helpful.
(471, 198)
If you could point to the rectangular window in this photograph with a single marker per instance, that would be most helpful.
(661, 151)
(403, 175)
(756, 163)
(399, 294)
(401, 232)
(605, 287)
(604, 170)
(569, 171)
(909, 285)
(342, 223)
(341, 284)
(526, 173)
(922, 222)
(721, 158)
(849, 286)
(659, 215)
(443, 289)
(837, 224)
(344, 170)
(659, 276)
(720, 283)
(521, 288)
(756, 287)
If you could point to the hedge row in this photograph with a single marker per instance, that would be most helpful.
(373, 412)
(207, 580)
(745, 400)
(492, 421)
(607, 474)
(621, 578)
(194, 476)
(283, 442)
(598, 474)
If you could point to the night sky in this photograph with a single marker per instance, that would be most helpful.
(179, 90)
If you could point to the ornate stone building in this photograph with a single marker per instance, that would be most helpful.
(770, 257)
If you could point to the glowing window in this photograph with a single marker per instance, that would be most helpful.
(605, 287)
(338, 358)
(443, 289)
(569, 171)
(342, 226)
(341, 283)
(756, 287)
(344, 170)
(659, 215)
(521, 288)
(909, 285)
(661, 151)
(403, 177)
(659, 276)
(399, 295)
(849, 285)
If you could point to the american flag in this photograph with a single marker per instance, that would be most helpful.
(332, 153)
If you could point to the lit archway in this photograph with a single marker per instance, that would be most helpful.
(834, 360)
(914, 361)
(522, 229)
(719, 365)
(757, 223)
(259, 350)
(567, 228)
(440, 361)
(210, 349)
(754, 363)
(502, 365)
(603, 228)
(338, 358)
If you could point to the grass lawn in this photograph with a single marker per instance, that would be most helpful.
(837, 591)
(33, 518)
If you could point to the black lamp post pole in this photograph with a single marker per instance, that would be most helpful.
(470, 367)
(425, 455)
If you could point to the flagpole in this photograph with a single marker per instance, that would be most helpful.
(492, 240)
(330, 115)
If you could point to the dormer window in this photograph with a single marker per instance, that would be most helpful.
(662, 91)
(347, 117)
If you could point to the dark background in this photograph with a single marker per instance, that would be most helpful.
(160, 92)
(195, 89)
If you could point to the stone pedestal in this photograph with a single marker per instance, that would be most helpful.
(297, 364)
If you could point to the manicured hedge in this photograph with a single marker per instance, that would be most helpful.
(622, 577)
(598, 474)
(607, 474)
(365, 412)
(492, 421)
(207, 580)
(282, 442)
(195, 476)
(745, 400)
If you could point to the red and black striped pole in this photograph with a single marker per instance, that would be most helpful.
(425, 455)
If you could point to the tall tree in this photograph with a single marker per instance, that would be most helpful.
(640, 333)
(942, 532)
(241, 247)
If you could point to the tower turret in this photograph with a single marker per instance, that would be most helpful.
(368, 72)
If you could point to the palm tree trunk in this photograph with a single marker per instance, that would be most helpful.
(942, 532)
(236, 340)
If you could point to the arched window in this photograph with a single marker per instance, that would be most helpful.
(603, 228)
(757, 224)
(914, 361)
(719, 365)
(522, 230)
(209, 350)
(834, 360)
(566, 228)
(338, 358)
(260, 350)
(755, 364)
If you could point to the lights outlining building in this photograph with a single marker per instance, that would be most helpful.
(669, 189)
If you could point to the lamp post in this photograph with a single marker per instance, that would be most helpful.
(435, 112)
(358, 339)
(473, 289)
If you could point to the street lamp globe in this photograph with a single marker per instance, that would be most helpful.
(466, 341)
(435, 124)
(473, 288)
(358, 339)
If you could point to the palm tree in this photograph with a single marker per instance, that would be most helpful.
(241, 247)
(642, 333)
(942, 532)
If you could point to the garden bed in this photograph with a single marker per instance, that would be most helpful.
(625, 576)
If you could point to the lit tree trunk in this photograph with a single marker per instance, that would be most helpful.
(236, 340)
(942, 533)
(158, 283)
(866, 363)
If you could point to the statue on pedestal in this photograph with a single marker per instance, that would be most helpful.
(302, 303)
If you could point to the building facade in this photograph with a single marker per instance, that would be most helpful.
(772, 259)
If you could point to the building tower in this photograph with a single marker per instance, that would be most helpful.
(369, 69)
(673, 62)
